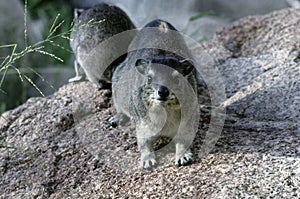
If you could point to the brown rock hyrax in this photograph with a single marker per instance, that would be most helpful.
(155, 87)
(96, 53)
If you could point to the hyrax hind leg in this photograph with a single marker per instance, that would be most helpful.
(79, 73)
(98, 83)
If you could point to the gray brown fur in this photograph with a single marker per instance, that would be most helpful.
(91, 27)
(134, 97)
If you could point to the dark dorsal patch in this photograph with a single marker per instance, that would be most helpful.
(164, 26)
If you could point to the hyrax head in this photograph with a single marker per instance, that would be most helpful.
(163, 77)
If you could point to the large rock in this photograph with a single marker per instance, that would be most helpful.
(62, 146)
(241, 8)
(258, 58)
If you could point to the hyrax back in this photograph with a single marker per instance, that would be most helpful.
(153, 86)
(95, 54)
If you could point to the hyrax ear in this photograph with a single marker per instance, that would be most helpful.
(77, 12)
(141, 65)
(187, 65)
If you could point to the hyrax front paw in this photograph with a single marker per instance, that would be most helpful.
(148, 161)
(185, 159)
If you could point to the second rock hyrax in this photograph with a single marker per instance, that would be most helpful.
(93, 57)
(153, 86)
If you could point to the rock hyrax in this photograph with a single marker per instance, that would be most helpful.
(93, 57)
(147, 86)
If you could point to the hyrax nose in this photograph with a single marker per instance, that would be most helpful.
(163, 92)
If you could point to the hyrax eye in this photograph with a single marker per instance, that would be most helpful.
(142, 62)
(141, 66)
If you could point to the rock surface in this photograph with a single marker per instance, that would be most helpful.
(258, 58)
(62, 146)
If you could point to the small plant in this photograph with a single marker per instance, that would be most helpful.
(48, 9)
(202, 14)
(54, 39)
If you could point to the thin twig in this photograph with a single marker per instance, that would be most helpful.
(33, 84)
(40, 76)
(25, 23)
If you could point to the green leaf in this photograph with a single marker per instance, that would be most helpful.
(202, 14)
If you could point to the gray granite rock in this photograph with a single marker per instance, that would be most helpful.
(62, 146)
(258, 59)
(241, 8)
